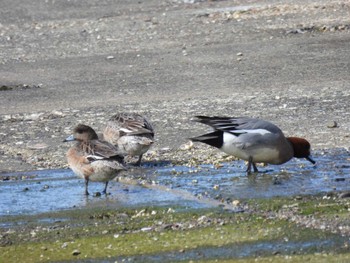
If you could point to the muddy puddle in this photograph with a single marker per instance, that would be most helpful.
(195, 187)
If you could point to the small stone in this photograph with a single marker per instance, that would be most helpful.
(97, 194)
(64, 245)
(340, 179)
(186, 146)
(170, 210)
(110, 57)
(216, 187)
(76, 252)
(145, 229)
(332, 124)
(104, 232)
(203, 219)
(239, 54)
(235, 202)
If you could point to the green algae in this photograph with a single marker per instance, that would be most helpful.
(138, 243)
(321, 205)
(102, 233)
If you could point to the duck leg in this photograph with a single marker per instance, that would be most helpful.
(249, 167)
(255, 168)
(86, 186)
(105, 189)
(138, 163)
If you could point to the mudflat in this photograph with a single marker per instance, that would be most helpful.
(66, 62)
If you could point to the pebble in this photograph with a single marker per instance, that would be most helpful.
(340, 179)
(236, 202)
(187, 146)
(64, 245)
(76, 252)
(332, 124)
(145, 229)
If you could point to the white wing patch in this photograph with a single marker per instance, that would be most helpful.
(126, 130)
(255, 131)
(95, 157)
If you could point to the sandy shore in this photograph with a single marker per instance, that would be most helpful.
(65, 63)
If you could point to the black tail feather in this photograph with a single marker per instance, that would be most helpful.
(215, 139)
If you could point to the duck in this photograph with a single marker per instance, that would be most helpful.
(253, 140)
(93, 159)
(131, 132)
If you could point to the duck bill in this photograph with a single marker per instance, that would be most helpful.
(69, 138)
(310, 160)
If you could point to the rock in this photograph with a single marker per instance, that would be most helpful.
(332, 124)
(186, 146)
(76, 252)
(145, 229)
(340, 179)
(64, 245)
(236, 202)
(97, 194)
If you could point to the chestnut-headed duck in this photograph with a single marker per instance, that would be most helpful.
(131, 133)
(253, 140)
(93, 159)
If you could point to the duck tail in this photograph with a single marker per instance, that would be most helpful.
(215, 139)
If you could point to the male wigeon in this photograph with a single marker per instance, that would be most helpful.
(253, 140)
(93, 159)
(131, 132)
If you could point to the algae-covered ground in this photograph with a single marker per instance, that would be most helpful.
(265, 231)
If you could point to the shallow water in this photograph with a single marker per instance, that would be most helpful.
(297, 177)
(50, 190)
